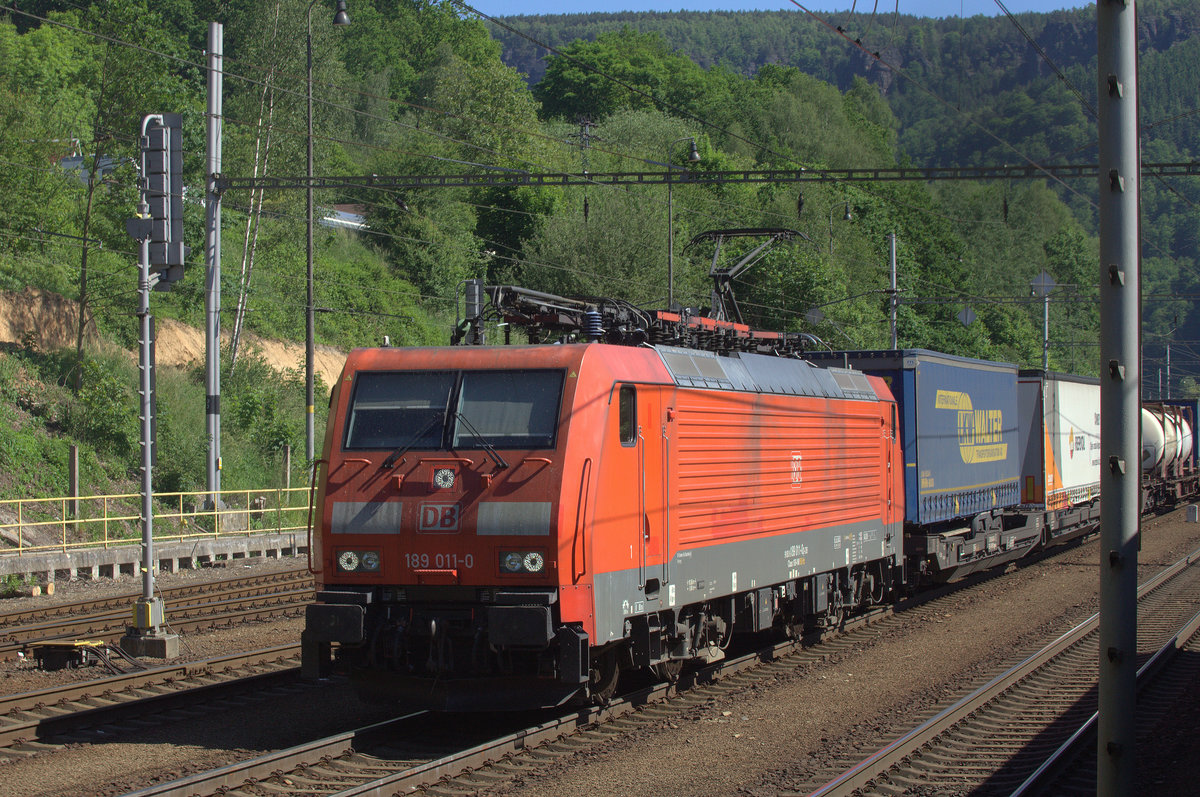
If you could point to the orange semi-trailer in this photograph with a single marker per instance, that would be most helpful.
(513, 526)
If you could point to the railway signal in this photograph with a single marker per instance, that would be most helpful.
(158, 228)
(162, 193)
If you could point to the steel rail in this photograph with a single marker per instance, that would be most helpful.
(69, 706)
(1146, 674)
(111, 624)
(57, 695)
(408, 777)
(861, 774)
(124, 600)
(233, 775)
(185, 603)
(332, 753)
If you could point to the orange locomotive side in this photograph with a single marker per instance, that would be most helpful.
(576, 510)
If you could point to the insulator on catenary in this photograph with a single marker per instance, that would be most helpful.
(474, 299)
(592, 326)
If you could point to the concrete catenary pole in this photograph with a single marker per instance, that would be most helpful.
(212, 259)
(1120, 417)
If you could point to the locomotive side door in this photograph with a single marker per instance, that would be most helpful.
(653, 461)
(889, 447)
(644, 430)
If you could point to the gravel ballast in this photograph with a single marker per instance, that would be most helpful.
(762, 739)
(23, 676)
(765, 739)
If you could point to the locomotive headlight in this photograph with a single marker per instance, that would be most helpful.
(358, 561)
(522, 561)
(443, 478)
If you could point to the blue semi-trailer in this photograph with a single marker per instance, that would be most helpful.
(960, 430)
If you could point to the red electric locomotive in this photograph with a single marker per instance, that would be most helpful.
(510, 527)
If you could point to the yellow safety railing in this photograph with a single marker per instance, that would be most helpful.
(42, 525)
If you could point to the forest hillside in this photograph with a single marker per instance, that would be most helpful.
(426, 89)
(969, 92)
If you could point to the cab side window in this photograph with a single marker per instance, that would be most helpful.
(627, 401)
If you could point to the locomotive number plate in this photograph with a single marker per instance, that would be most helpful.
(440, 561)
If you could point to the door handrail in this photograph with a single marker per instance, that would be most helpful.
(312, 500)
(579, 564)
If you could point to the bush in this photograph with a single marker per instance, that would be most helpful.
(105, 411)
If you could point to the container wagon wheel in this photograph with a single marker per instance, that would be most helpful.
(602, 683)
(668, 670)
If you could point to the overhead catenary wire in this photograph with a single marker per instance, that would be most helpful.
(973, 122)
(1091, 109)
(359, 143)
(422, 154)
(934, 95)
(496, 244)
(392, 121)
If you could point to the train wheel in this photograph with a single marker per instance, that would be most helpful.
(837, 612)
(602, 683)
(668, 670)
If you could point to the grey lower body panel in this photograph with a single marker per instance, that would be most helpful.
(696, 575)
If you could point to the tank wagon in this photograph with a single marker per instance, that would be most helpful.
(1170, 452)
(501, 527)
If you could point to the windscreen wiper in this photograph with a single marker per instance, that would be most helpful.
(402, 450)
(483, 442)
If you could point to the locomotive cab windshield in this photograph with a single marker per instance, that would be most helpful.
(453, 410)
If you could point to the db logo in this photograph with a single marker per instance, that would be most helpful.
(797, 472)
(438, 518)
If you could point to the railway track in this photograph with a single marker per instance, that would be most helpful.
(188, 607)
(33, 722)
(95, 605)
(382, 758)
(46, 720)
(1029, 730)
(1071, 770)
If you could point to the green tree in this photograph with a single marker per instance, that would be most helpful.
(620, 70)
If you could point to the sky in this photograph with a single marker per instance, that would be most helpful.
(920, 8)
